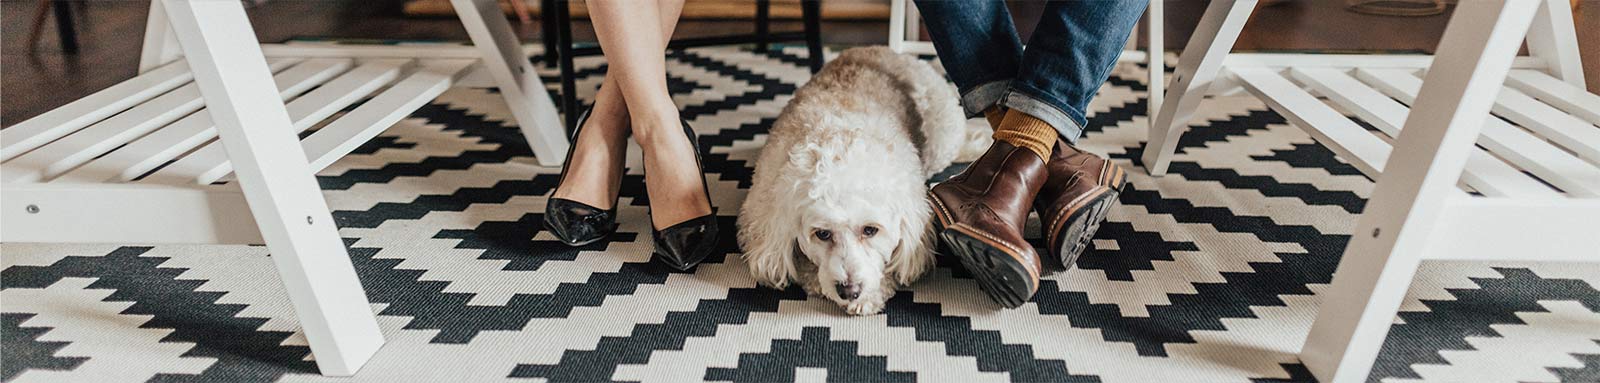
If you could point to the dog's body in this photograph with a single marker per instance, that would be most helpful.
(838, 202)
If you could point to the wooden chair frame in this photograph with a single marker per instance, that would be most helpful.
(97, 169)
(1463, 184)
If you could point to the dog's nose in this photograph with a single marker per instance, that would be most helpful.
(849, 291)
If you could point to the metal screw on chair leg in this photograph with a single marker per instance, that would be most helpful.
(33, 209)
(309, 221)
(1374, 233)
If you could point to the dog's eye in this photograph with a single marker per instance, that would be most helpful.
(824, 235)
(869, 231)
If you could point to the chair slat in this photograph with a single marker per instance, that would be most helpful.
(1550, 163)
(1352, 142)
(1555, 92)
(68, 152)
(210, 162)
(59, 122)
(197, 130)
(1570, 132)
(1484, 173)
(365, 122)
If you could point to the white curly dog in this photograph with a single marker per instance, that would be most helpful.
(838, 202)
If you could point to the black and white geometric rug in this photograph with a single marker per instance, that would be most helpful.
(1209, 274)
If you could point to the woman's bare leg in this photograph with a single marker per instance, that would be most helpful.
(628, 34)
(595, 171)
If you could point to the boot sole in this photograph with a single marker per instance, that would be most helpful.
(1081, 225)
(999, 273)
(1085, 215)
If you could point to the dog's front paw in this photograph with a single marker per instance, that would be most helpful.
(865, 306)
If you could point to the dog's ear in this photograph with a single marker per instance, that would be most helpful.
(766, 233)
(913, 256)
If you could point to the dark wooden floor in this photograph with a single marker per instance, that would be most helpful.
(38, 77)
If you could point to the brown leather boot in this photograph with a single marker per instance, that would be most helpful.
(1080, 190)
(980, 214)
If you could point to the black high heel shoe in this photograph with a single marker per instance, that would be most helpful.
(576, 223)
(685, 244)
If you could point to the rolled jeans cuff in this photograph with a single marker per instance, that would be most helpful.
(984, 96)
(1068, 123)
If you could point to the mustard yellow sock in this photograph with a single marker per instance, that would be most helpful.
(995, 114)
(1020, 129)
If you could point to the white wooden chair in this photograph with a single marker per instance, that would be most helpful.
(97, 169)
(1460, 183)
(905, 26)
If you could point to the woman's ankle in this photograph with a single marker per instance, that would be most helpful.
(656, 124)
(658, 133)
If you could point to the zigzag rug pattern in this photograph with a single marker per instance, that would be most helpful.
(1208, 274)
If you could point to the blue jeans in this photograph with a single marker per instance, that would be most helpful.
(1069, 55)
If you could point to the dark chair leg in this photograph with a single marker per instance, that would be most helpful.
(64, 29)
(763, 25)
(569, 85)
(811, 10)
(547, 24)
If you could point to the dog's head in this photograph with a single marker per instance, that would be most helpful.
(858, 213)
(858, 241)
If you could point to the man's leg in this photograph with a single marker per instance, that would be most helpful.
(1069, 56)
(978, 46)
(980, 212)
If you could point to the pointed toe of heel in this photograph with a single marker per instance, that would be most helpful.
(684, 245)
(578, 224)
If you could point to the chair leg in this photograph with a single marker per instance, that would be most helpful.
(763, 25)
(1554, 39)
(811, 10)
(547, 24)
(897, 26)
(913, 24)
(160, 44)
(1391, 237)
(1156, 58)
(64, 28)
(518, 82)
(1197, 69)
(277, 182)
(569, 84)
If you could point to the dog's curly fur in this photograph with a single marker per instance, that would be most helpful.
(850, 155)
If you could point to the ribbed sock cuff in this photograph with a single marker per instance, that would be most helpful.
(1021, 129)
